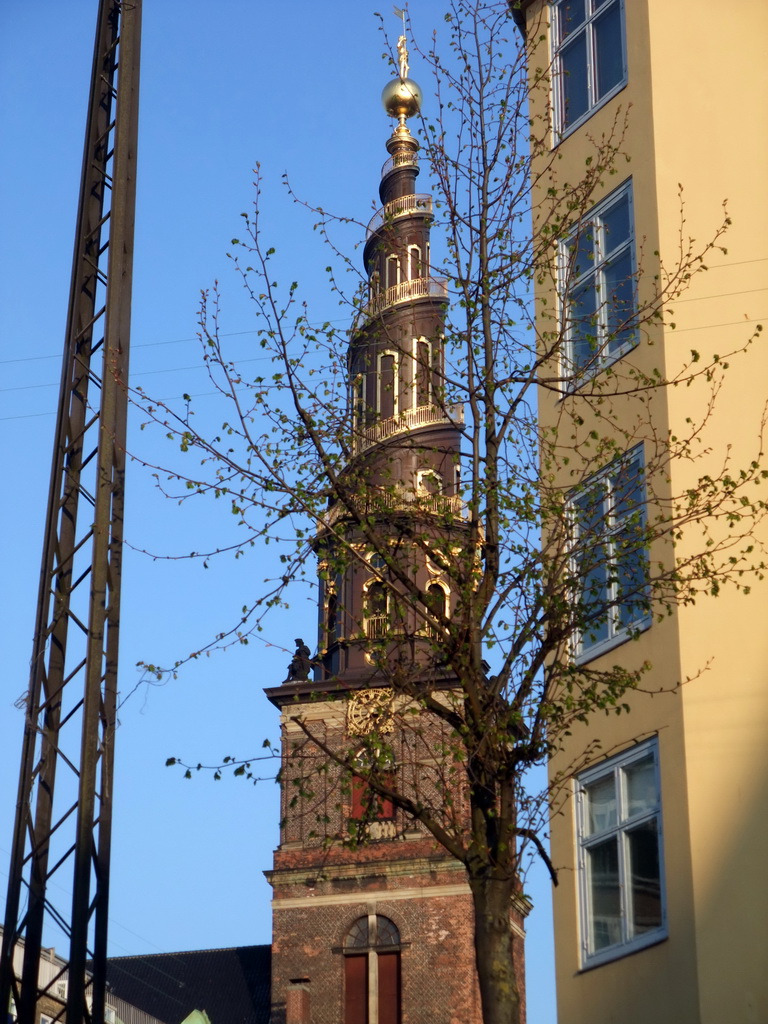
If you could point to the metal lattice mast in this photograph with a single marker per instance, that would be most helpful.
(64, 806)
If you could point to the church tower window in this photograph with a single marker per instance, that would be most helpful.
(387, 385)
(372, 972)
(392, 271)
(332, 620)
(414, 262)
(376, 610)
(422, 372)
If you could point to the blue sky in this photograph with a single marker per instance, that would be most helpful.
(294, 87)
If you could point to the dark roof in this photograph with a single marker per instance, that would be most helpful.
(231, 985)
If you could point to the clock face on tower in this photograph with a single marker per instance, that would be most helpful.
(370, 710)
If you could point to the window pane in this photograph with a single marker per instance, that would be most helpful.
(628, 491)
(376, 599)
(640, 782)
(592, 565)
(618, 297)
(616, 227)
(570, 16)
(594, 595)
(357, 936)
(604, 894)
(609, 58)
(581, 251)
(631, 579)
(644, 878)
(600, 800)
(583, 325)
(386, 932)
(590, 510)
(573, 79)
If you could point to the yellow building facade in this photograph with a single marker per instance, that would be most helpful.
(661, 837)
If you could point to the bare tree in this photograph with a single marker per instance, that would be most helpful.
(481, 582)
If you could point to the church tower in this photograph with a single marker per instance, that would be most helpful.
(372, 919)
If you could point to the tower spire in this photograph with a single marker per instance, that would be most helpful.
(358, 885)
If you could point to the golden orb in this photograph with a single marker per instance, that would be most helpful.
(401, 97)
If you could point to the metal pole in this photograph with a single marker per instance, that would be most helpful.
(74, 684)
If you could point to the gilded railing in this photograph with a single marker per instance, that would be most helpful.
(377, 627)
(399, 160)
(375, 501)
(399, 208)
(418, 288)
(409, 419)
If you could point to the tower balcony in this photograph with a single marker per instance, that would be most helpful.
(378, 627)
(409, 419)
(405, 291)
(380, 501)
(398, 160)
(405, 206)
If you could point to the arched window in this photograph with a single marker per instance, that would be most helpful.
(437, 603)
(392, 268)
(414, 262)
(387, 385)
(428, 482)
(376, 610)
(332, 620)
(358, 403)
(437, 599)
(422, 371)
(372, 972)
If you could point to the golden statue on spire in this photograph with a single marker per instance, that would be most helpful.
(402, 52)
(402, 96)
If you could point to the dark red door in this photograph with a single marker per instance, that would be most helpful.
(389, 988)
(356, 989)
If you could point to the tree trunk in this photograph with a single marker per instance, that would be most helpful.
(492, 898)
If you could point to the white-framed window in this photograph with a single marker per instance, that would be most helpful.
(392, 268)
(388, 385)
(414, 262)
(590, 63)
(422, 372)
(598, 286)
(358, 403)
(610, 558)
(621, 874)
(429, 482)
